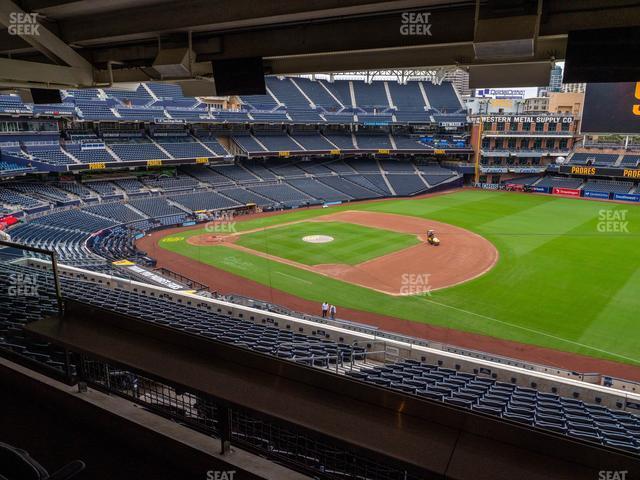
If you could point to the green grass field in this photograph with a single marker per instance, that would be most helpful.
(562, 281)
(352, 243)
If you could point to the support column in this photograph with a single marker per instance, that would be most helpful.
(224, 425)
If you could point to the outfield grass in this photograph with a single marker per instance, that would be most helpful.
(560, 281)
(352, 244)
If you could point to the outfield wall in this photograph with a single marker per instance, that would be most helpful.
(383, 349)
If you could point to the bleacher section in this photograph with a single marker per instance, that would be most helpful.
(137, 149)
(29, 204)
(630, 160)
(290, 103)
(13, 104)
(49, 153)
(560, 182)
(284, 169)
(407, 98)
(155, 207)
(547, 411)
(168, 183)
(278, 143)
(71, 212)
(370, 96)
(115, 211)
(319, 190)
(206, 174)
(244, 196)
(604, 159)
(477, 391)
(130, 185)
(203, 201)
(248, 143)
(214, 145)
(283, 194)
(608, 186)
(373, 142)
(405, 142)
(44, 191)
(235, 172)
(318, 94)
(104, 189)
(183, 147)
(340, 90)
(259, 170)
(312, 141)
(434, 174)
(287, 93)
(522, 180)
(77, 189)
(342, 141)
(88, 155)
(347, 186)
(442, 97)
(260, 102)
(397, 166)
(406, 184)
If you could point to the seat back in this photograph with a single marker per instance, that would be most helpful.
(16, 464)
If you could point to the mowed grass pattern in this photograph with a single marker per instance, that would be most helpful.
(352, 244)
(560, 282)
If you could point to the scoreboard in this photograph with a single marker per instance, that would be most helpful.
(612, 108)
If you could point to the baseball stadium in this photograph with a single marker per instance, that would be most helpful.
(372, 240)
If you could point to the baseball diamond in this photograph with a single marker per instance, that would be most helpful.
(496, 247)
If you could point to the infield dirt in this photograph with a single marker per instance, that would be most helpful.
(461, 256)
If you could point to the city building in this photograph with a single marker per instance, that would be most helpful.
(555, 79)
(574, 87)
(460, 80)
(514, 144)
(535, 104)
(569, 103)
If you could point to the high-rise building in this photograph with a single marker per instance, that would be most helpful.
(555, 79)
(460, 80)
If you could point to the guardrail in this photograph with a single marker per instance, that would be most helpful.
(385, 335)
(182, 279)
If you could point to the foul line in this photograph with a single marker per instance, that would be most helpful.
(531, 330)
(295, 278)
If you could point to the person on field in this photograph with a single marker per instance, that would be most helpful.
(325, 309)
(332, 312)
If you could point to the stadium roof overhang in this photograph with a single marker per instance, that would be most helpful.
(86, 43)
